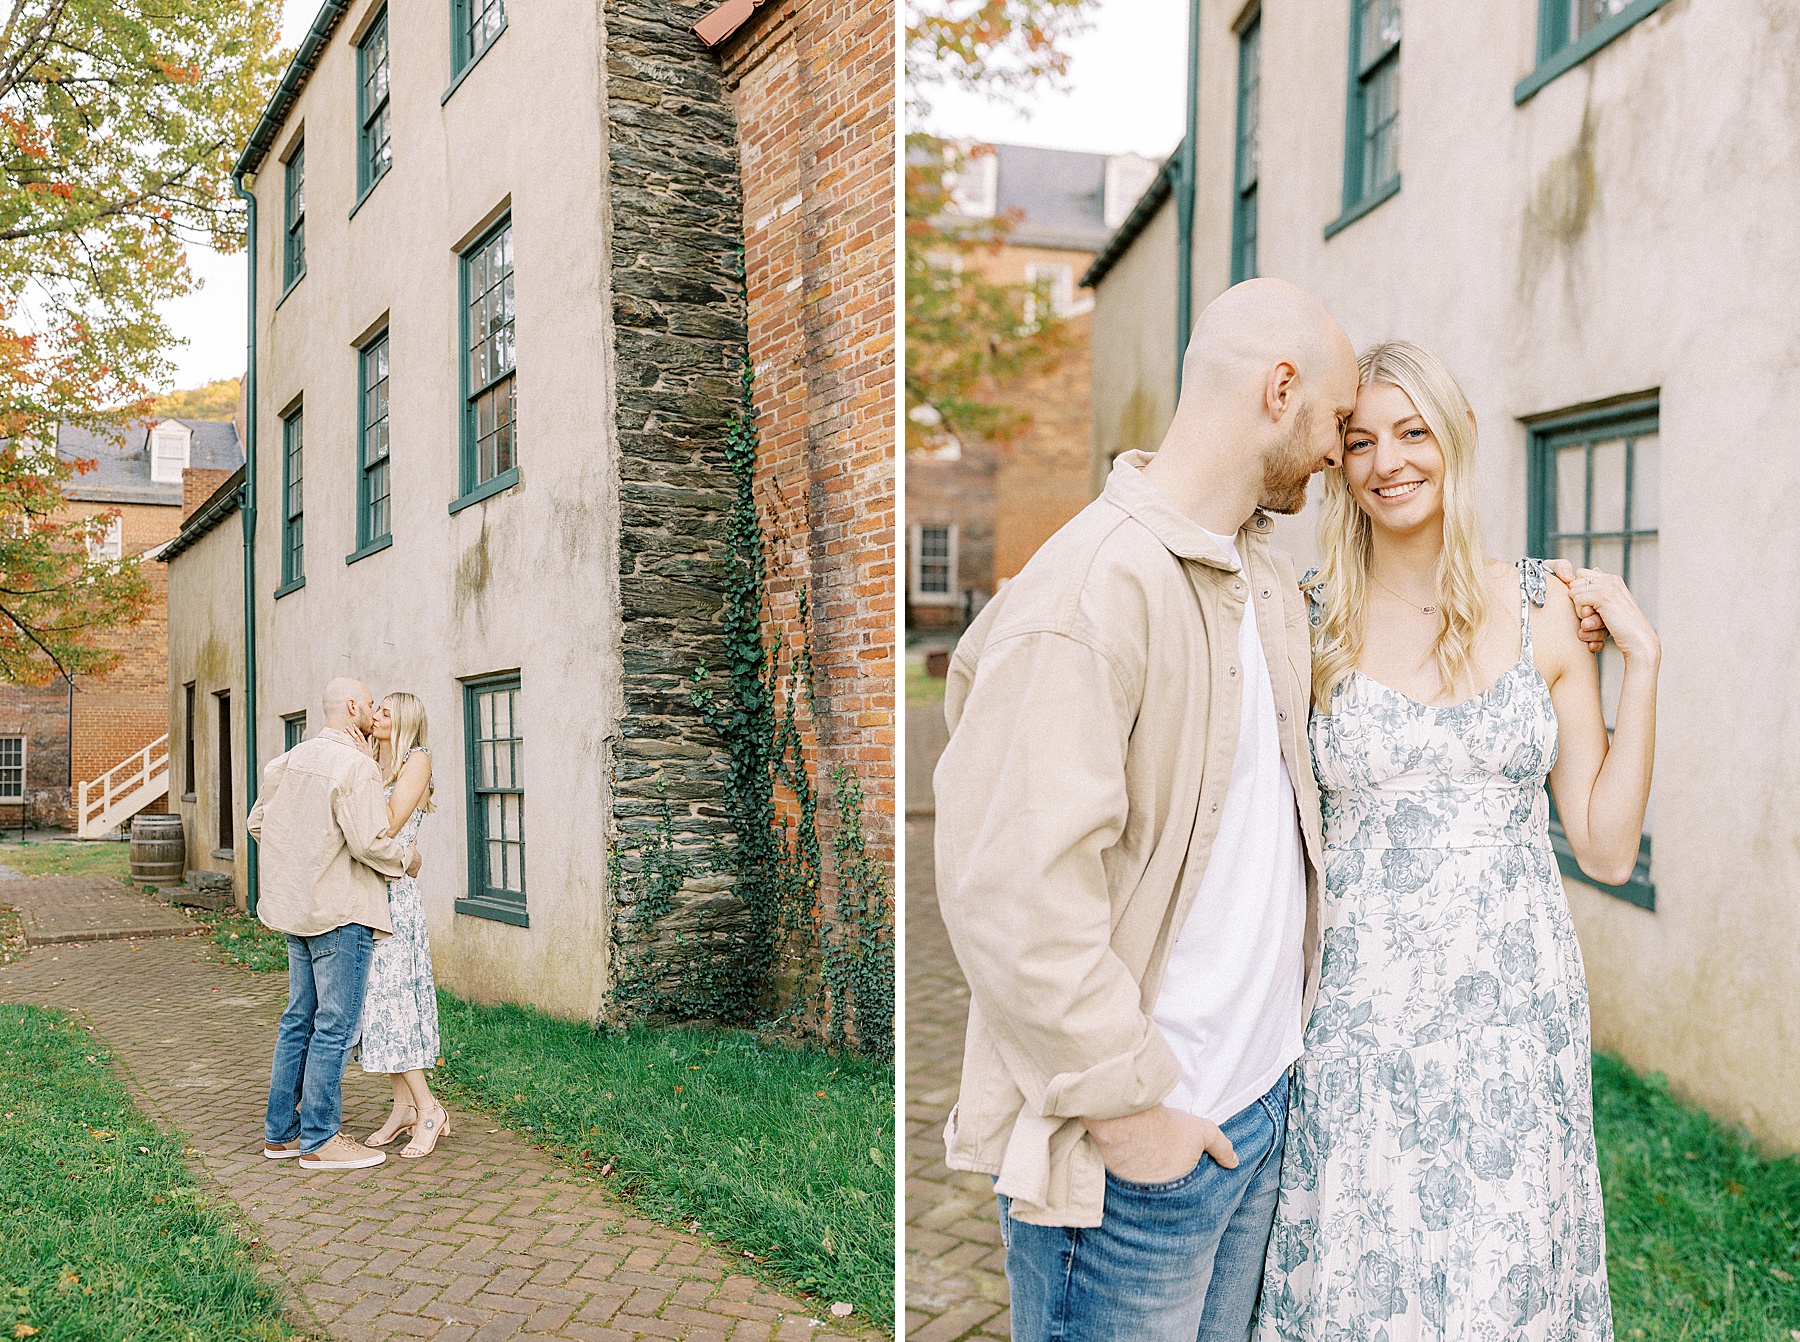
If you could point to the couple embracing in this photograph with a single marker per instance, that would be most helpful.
(1278, 1023)
(338, 822)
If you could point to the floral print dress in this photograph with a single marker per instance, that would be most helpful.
(1440, 1180)
(400, 1023)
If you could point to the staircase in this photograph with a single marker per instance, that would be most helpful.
(113, 798)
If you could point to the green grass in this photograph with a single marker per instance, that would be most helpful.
(68, 859)
(103, 1234)
(1702, 1235)
(243, 940)
(920, 687)
(782, 1152)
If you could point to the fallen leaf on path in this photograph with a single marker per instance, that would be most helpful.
(843, 1309)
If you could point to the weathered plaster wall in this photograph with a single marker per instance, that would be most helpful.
(206, 648)
(526, 580)
(1627, 228)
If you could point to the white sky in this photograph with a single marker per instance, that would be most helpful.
(1127, 80)
(212, 320)
(1127, 84)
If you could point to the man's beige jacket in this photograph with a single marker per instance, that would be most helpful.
(322, 823)
(1094, 713)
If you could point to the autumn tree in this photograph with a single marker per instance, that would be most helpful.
(966, 334)
(119, 122)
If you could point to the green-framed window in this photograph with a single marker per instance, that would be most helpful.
(1593, 476)
(1249, 151)
(293, 256)
(375, 151)
(477, 24)
(489, 368)
(374, 503)
(1372, 118)
(494, 758)
(293, 500)
(293, 730)
(1569, 31)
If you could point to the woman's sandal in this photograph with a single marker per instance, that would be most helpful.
(400, 1128)
(426, 1134)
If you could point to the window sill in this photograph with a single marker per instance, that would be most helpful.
(498, 485)
(290, 286)
(1638, 890)
(474, 60)
(373, 547)
(934, 599)
(1583, 47)
(287, 587)
(225, 854)
(499, 913)
(189, 796)
(1357, 211)
(368, 191)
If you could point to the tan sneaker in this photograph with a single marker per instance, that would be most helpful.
(286, 1151)
(340, 1153)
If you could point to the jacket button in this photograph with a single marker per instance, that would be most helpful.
(1265, 594)
(1282, 716)
(1231, 671)
(1215, 806)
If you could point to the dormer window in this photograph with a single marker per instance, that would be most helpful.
(170, 443)
(112, 544)
(975, 187)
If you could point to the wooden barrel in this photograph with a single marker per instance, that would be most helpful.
(158, 850)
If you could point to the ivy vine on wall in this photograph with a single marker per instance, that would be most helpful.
(784, 963)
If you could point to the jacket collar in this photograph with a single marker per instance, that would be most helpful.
(1131, 490)
(340, 736)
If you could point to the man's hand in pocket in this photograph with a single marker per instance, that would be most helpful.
(1157, 1145)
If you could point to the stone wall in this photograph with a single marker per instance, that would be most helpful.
(678, 332)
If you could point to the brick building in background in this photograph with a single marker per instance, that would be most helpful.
(812, 85)
(977, 510)
(144, 477)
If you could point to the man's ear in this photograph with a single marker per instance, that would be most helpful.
(1278, 389)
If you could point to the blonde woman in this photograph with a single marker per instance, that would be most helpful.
(400, 1026)
(1440, 1179)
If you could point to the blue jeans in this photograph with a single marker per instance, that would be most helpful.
(326, 977)
(1173, 1262)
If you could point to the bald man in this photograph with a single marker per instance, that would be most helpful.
(1126, 819)
(326, 855)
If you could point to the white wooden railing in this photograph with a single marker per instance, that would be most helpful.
(124, 790)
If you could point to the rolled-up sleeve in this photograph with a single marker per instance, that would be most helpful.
(1031, 792)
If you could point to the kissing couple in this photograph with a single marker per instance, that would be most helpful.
(338, 822)
(1278, 1023)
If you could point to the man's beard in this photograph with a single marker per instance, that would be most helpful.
(1287, 473)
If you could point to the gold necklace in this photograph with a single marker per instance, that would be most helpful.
(1423, 610)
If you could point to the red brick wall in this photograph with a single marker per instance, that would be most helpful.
(813, 87)
(128, 708)
(197, 487)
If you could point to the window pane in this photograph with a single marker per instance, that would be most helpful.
(1609, 485)
(1380, 28)
(1571, 489)
(1646, 484)
(1381, 122)
(1645, 576)
(1249, 144)
(1591, 13)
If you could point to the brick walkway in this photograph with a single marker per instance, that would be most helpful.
(89, 908)
(488, 1239)
(955, 1267)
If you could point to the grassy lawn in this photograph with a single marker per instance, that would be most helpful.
(243, 940)
(1702, 1236)
(103, 1233)
(779, 1153)
(68, 859)
(921, 688)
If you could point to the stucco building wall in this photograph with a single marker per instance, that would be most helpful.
(1624, 230)
(524, 581)
(206, 650)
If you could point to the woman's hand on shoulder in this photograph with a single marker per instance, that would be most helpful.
(1592, 624)
(1625, 619)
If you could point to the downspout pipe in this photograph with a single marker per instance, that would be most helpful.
(247, 507)
(1186, 186)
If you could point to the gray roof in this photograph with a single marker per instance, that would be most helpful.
(121, 471)
(1059, 197)
(1155, 196)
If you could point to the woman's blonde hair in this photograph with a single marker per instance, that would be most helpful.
(408, 716)
(1344, 532)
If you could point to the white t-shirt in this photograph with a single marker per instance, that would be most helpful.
(1229, 1006)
